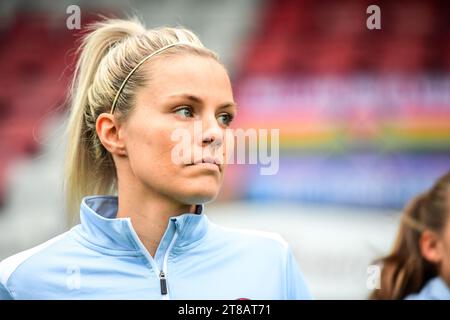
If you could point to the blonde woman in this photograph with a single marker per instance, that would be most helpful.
(133, 88)
(418, 268)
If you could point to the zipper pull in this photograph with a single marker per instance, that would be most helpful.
(163, 282)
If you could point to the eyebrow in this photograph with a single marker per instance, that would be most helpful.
(196, 99)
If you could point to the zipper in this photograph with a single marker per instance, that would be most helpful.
(163, 282)
(163, 273)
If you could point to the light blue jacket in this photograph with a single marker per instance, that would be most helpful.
(103, 258)
(434, 289)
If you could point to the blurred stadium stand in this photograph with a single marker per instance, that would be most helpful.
(370, 104)
(364, 118)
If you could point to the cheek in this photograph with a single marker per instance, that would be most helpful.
(228, 147)
(150, 160)
(150, 149)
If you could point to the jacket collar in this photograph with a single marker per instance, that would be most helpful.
(436, 288)
(100, 226)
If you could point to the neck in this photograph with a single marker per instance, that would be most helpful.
(149, 212)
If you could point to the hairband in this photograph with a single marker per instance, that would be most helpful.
(184, 41)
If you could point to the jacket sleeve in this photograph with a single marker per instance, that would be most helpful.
(4, 293)
(296, 287)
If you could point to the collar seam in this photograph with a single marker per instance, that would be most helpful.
(97, 248)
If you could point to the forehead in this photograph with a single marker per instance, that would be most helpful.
(197, 75)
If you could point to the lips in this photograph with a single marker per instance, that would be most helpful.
(208, 160)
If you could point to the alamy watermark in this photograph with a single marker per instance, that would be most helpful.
(73, 281)
(374, 20)
(73, 21)
(223, 149)
(373, 277)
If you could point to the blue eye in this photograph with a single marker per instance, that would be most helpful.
(185, 112)
(226, 118)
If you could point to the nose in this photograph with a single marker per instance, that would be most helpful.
(212, 133)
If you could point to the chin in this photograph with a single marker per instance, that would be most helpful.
(202, 197)
(200, 193)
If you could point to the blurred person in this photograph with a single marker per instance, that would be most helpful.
(134, 87)
(418, 267)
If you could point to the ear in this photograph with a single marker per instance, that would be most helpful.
(110, 133)
(431, 247)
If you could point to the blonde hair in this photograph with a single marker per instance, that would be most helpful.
(107, 55)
